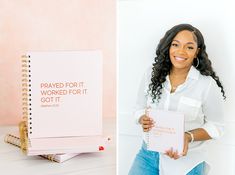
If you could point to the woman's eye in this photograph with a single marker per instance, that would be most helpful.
(174, 44)
(190, 48)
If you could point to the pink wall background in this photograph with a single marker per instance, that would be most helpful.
(54, 25)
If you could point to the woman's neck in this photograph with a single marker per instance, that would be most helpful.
(177, 77)
(179, 72)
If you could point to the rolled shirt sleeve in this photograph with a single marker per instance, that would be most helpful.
(213, 111)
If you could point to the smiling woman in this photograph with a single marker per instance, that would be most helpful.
(183, 51)
(182, 80)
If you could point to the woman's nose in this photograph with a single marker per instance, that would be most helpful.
(181, 50)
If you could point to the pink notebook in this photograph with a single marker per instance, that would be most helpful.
(62, 95)
(14, 139)
(168, 131)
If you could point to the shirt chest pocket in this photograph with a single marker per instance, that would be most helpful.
(189, 107)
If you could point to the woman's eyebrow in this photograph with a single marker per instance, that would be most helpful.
(186, 43)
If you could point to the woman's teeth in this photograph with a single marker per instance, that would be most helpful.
(180, 59)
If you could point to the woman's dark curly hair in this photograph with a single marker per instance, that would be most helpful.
(162, 65)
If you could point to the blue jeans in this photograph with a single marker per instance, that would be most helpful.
(147, 163)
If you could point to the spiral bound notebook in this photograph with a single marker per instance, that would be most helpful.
(168, 131)
(14, 139)
(62, 99)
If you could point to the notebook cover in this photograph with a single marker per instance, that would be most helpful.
(168, 131)
(66, 94)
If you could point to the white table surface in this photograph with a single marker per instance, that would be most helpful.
(14, 162)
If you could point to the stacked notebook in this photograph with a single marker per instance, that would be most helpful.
(14, 139)
(61, 103)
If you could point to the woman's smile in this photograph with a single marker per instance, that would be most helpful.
(177, 58)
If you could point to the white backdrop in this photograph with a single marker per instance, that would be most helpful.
(142, 23)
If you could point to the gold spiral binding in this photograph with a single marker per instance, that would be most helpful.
(50, 157)
(147, 110)
(23, 125)
(11, 139)
(23, 136)
(147, 138)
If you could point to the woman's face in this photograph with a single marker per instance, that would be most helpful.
(183, 50)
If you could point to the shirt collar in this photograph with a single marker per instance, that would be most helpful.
(193, 73)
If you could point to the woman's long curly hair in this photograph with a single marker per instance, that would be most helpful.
(162, 65)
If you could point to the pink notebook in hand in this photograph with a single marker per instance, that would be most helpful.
(168, 131)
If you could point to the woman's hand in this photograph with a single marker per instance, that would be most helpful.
(174, 154)
(146, 122)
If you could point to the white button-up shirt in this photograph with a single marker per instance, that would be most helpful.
(201, 101)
